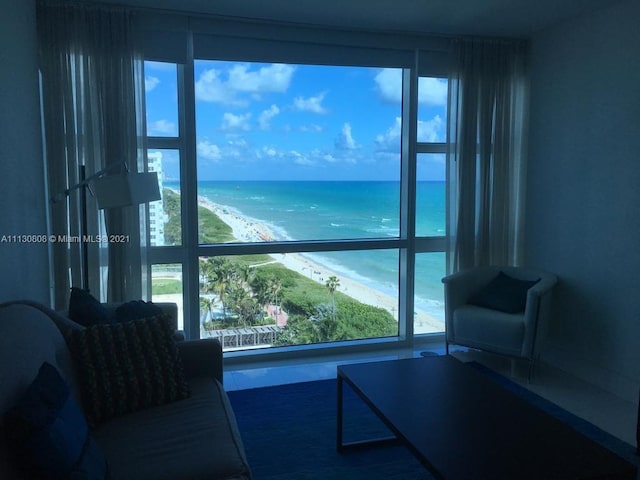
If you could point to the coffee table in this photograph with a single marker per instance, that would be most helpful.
(462, 425)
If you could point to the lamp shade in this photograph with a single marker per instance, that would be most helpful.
(125, 189)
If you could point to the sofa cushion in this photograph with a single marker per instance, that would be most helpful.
(48, 434)
(504, 293)
(196, 439)
(135, 310)
(86, 310)
(125, 367)
(29, 337)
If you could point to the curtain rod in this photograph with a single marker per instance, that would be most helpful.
(190, 14)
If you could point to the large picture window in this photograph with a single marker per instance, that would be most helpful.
(285, 204)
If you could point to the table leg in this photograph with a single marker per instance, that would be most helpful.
(339, 443)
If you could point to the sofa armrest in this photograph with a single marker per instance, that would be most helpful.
(201, 358)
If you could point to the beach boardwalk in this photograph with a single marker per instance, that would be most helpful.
(243, 338)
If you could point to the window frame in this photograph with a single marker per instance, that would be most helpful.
(407, 244)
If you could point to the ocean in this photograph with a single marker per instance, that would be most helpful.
(346, 210)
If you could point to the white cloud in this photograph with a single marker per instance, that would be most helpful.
(231, 121)
(300, 159)
(431, 130)
(432, 91)
(274, 78)
(150, 83)
(428, 131)
(389, 141)
(162, 128)
(311, 128)
(269, 151)
(345, 140)
(209, 151)
(310, 104)
(264, 120)
(211, 88)
(220, 86)
(389, 84)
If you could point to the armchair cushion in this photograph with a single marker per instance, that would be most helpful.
(126, 367)
(504, 293)
(493, 331)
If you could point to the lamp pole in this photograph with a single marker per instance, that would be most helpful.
(83, 231)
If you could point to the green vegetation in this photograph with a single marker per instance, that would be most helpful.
(173, 228)
(317, 313)
(210, 228)
(242, 287)
(165, 286)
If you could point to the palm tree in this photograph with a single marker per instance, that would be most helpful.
(261, 290)
(206, 304)
(218, 273)
(332, 285)
(245, 273)
(238, 298)
(274, 286)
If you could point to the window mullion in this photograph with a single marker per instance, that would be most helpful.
(407, 203)
(191, 283)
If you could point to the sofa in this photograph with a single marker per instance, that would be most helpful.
(192, 438)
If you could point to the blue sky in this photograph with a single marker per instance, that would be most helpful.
(257, 121)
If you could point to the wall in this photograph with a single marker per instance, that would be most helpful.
(24, 269)
(583, 203)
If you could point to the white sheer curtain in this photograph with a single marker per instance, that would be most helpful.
(487, 133)
(93, 94)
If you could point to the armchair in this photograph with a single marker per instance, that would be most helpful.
(487, 318)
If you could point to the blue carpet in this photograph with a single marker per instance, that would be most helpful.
(289, 433)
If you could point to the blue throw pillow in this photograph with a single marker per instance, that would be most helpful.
(87, 310)
(48, 433)
(504, 293)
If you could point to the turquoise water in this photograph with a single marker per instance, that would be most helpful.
(345, 210)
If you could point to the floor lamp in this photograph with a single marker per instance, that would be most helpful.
(111, 191)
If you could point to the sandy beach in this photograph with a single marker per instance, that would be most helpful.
(250, 230)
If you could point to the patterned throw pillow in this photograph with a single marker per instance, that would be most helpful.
(125, 367)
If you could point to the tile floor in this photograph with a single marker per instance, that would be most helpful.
(612, 414)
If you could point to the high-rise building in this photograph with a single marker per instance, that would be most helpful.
(157, 215)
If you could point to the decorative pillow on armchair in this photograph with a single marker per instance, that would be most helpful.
(504, 293)
(129, 366)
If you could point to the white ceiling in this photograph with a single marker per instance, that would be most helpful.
(511, 18)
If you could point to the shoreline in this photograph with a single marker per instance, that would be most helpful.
(247, 229)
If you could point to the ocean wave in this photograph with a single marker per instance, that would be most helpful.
(385, 231)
